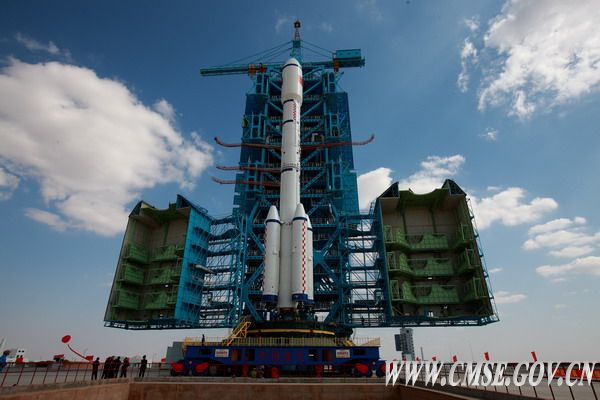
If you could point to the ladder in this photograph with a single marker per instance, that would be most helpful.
(239, 331)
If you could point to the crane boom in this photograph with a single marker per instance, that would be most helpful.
(341, 59)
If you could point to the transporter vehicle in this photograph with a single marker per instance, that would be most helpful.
(290, 348)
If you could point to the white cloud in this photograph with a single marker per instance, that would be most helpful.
(34, 45)
(463, 79)
(434, 170)
(8, 184)
(521, 107)
(164, 108)
(586, 266)
(510, 208)
(557, 239)
(572, 251)
(468, 51)
(48, 218)
(547, 53)
(556, 224)
(472, 23)
(566, 237)
(326, 27)
(90, 144)
(578, 292)
(491, 135)
(503, 297)
(468, 55)
(369, 8)
(372, 184)
(281, 21)
(495, 270)
(560, 306)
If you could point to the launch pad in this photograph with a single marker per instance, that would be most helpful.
(282, 328)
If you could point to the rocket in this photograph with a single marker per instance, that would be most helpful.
(288, 260)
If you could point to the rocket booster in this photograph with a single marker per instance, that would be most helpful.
(288, 262)
(272, 246)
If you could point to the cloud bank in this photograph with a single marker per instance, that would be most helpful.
(503, 297)
(89, 143)
(539, 54)
(510, 207)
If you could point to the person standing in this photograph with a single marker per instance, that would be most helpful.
(124, 368)
(116, 367)
(106, 368)
(95, 366)
(143, 365)
(3, 359)
(110, 368)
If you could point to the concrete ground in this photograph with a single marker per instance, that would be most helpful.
(223, 389)
(19, 376)
(22, 378)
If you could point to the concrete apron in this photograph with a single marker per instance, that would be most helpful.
(225, 389)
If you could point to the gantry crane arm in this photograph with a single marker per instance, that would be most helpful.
(261, 62)
(250, 69)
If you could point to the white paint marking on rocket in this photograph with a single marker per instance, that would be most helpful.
(300, 255)
(290, 278)
(310, 255)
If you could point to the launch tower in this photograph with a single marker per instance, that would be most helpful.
(410, 260)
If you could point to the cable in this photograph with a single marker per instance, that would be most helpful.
(269, 57)
(319, 47)
(328, 56)
(278, 47)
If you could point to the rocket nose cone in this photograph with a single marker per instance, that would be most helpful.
(292, 61)
(273, 214)
(300, 211)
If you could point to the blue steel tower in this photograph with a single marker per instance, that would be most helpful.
(410, 260)
(328, 180)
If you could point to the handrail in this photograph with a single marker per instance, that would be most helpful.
(281, 341)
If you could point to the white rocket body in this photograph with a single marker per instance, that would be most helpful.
(288, 263)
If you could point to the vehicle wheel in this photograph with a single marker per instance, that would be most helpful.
(178, 369)
(200, 369)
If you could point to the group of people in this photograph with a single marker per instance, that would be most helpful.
(114, 367)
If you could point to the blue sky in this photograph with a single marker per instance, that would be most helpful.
(102, 104)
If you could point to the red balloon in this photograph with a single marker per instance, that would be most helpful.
(66, 338)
